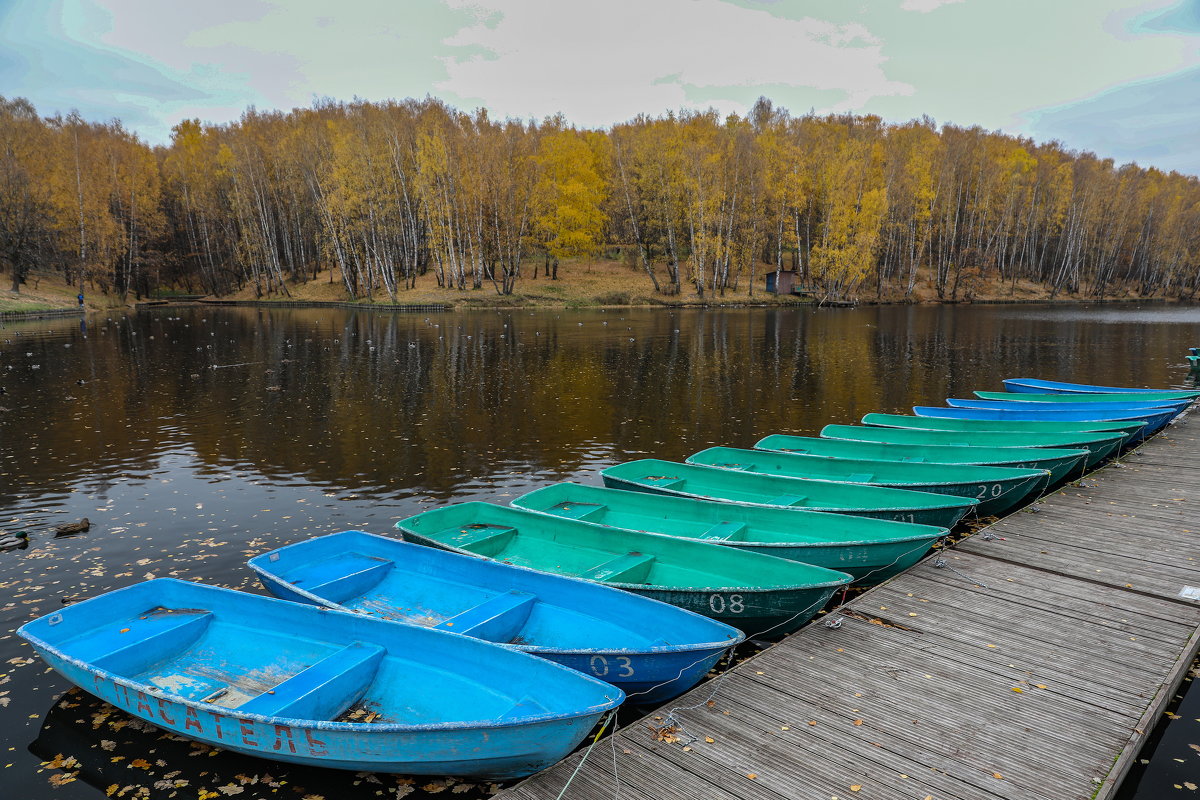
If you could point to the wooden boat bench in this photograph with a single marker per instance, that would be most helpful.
(629, 568)
(352, 584)
(724, 532)
(661, 481)
(787, 500)
(323, 691)
(486, 540)
(144, 639)
(496, 619)
(583, 511)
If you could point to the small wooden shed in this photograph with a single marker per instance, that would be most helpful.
(782, 281)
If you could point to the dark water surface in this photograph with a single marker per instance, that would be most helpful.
(202, 436)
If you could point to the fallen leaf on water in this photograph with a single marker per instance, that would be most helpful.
(752, 775)
(856, 788)
(709, 739)
(997, 776)
(858, 722)
(1018, 690)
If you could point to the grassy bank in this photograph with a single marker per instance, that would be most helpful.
(580, 285)
(613, 283)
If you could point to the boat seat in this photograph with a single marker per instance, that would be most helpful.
(731, 465)
(497, 619)
(324, 690)
(661, 481)
(629, 568)
(723, 531)
(343, 587)
(787, 500)
(147, 638)
(479, 538)
(861, 477)
(526, 707)
(577, 510)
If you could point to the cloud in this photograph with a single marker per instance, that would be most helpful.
(1143, 121)
(625, 57)
(925, 6)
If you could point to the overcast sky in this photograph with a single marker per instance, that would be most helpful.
(1119, 78)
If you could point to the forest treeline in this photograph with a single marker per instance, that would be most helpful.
(382, 193)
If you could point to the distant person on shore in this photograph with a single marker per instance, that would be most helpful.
(80, 298)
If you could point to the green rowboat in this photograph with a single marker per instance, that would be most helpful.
(1100, 445)
(870, 550)
(759, 594)
(997, 489)
(1152, 397)
(710, 483)
(1061, 463)
(1130, 429)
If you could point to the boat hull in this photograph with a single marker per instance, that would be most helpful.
(940, 516)
(525, 751)
(1099, 445)
(1061, 463)
(758, 595)
(1036, 385)
(1132, 431)
(289, 682)
(868, 550)
(995, 489)
(1140, 406)
(589, 627)
(1154, 420)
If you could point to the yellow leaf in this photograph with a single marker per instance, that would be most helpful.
(1018, 690)
(856, 788)
(752, 776)
(709, 739)
(858, 722)
(997, 776)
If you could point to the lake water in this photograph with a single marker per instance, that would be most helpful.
(194, 438)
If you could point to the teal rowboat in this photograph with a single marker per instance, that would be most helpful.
(759, 594)
(731, 486)
(1130, 429)
(996, 489)
(869, 550)
(1061, 463)
(1100, 445)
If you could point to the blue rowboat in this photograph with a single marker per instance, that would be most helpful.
(1116, 405)
(314, 686)
(869, 550)
(1154, 419)
(1194, 360)
(1037, 386)
(650, 650)
(760, 594)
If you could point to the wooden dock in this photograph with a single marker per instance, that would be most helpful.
(1031, 665)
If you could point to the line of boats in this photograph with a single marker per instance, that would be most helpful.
(491, 639)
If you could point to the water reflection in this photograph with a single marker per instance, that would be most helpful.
(194, 438)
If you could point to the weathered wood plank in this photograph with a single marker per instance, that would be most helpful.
(1082, 598)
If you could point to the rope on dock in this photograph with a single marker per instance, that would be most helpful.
(607, 719)
(941, 563)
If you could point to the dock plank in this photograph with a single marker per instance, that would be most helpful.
(1078, 607)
